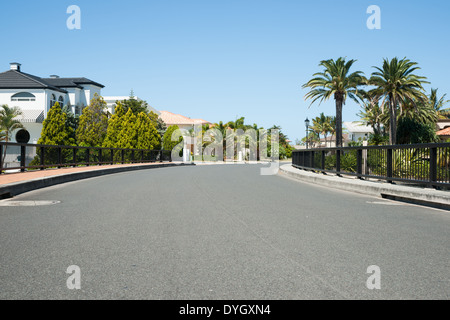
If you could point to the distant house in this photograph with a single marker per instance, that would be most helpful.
(171, 119)
(443, 129)
(181, 121)
(35, 96)
(356, 131)
(112, 100)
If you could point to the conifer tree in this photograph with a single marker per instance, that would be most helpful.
(55, 132)
(147, 137)
(127, 135)
(159, 124)
(93, 124)
(115, 125)
(168, 144)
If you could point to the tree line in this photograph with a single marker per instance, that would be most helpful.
(395, 100)
(131, 126)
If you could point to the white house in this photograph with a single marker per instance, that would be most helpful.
(112, 100)
(357, 130)
(35, 96)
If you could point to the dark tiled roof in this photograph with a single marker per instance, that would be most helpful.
(13, 79)
(71, 82)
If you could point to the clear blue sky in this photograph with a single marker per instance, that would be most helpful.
(219, 59)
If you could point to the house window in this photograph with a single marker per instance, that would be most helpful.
(52, 100)
(61, 101)
(23, 96)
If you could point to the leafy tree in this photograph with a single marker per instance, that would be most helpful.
(158, 123)
(378, 139)
(146, 135)
(8, 124)
(168, 144)
(126, 135)
(336, 81)
(115, 125)
(55, 132)
(72, 120)
(397, 85)
(411, 131)
(93, 124)
(137, 106)
(130, 131)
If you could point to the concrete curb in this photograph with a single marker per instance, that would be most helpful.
(418, 195)
(16, 188)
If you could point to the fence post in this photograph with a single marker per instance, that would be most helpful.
(359, 163)
(338, 162)
(1, 158)
(88, 160)
(142, 156)
(433, 165)
(100, 156)
(323, 160)
(389, 165)
(365, 168)
(59, 157)
(22, 158)
(42, 158)
(112, 156)
(311, 161)
(74, 160)
(132, 156)
(161, 156)
(123, 156)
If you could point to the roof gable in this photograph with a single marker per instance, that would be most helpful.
(71, 82)
(13, 79)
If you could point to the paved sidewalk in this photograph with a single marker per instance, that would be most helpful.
(7, 178)
(414, 194)
(12, 184)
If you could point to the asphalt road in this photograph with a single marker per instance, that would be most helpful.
(219, 232)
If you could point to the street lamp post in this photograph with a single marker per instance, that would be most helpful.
(307, 131)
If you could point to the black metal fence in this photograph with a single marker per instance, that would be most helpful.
(424, 164)
(20, 156)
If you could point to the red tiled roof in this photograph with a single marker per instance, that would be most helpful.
(444, 132)
(177, 119)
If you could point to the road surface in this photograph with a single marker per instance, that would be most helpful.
(219, 232)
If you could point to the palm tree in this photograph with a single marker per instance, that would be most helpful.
(322, 125)
(397, 85)
(8, 123)
(335, 81)
(372, 113)
(238, 124)
(332, 127)
(438, 104)
(419, 111)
